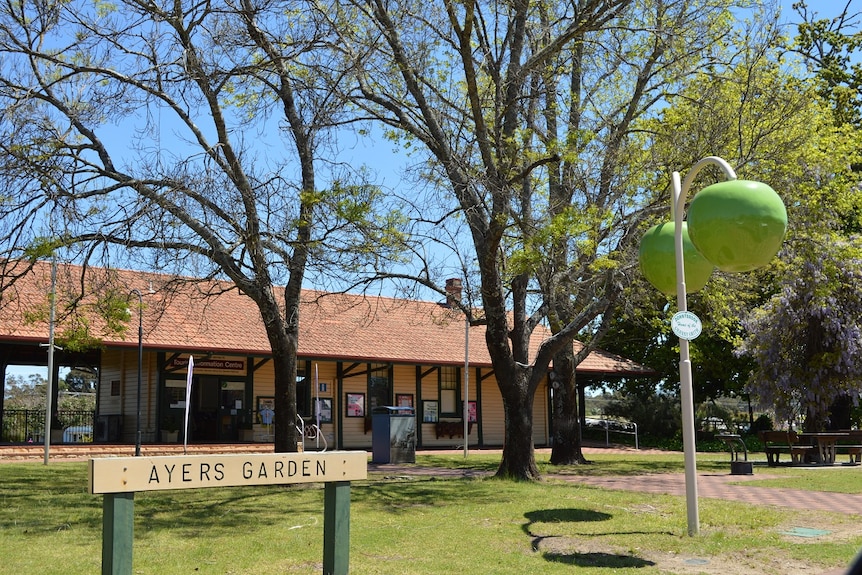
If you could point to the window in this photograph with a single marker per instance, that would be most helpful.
(379, 386)
(175, 393)
(448, 391)
(303, 393)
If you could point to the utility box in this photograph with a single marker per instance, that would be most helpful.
(393, 435)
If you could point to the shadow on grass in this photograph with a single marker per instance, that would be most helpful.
(394, 496)
(630, 467)
(629, 464)
(590, 559)
(610, 560)
(568, 515)
(221, 511)
(477, 462)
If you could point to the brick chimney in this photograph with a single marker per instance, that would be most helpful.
(453, 291)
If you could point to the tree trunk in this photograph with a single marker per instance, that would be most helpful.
(519, 461)
(566, 448)
(284, 364)
(840, 413)
(284, 347)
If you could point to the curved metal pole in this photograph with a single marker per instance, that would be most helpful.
(679, 193)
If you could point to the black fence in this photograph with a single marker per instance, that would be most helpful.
(28, 426)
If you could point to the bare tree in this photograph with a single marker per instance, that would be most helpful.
(184, 136)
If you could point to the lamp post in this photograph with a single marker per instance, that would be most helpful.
(736, 226)
(140, 368)
(679, 194)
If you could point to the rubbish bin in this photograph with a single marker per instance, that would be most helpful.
(393, 435)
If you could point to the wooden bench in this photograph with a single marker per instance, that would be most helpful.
(451, 428)
(853, 445)
(777, 442)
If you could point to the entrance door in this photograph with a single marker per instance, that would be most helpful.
(231, 398)
(205, 408)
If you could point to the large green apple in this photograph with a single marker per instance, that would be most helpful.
(738, 225)
(658, 260)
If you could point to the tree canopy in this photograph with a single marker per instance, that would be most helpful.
(804, 338)
(531, 118)
(183, 137)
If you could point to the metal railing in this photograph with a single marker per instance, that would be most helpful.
(310, 431)
(28, 426)
(614, 426)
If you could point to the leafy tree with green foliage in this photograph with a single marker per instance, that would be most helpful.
(524, 114)
(830, 47)
(596, 188)
(768, 124)
(804, 338)
(77, 391)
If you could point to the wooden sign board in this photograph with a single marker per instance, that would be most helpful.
(130, 474)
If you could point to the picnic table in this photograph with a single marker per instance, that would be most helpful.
(776, 442)
(829, 442)
(825, 441)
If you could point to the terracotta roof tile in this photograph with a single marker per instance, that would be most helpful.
(347, 327)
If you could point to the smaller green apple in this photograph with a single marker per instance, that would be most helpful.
(738, 225)
(658, 260)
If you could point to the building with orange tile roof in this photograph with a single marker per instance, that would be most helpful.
(356, 353)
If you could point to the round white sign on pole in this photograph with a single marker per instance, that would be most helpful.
(686, 325)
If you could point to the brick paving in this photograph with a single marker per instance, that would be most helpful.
(731, 488)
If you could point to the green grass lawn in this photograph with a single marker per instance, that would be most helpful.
(49, 524)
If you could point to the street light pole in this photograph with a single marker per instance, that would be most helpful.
(49, 391)
(679, 194)
(140, 368)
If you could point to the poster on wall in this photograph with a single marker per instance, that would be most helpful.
(429, 411)
(471, 412)
(266, 409)
(404, 400)
(324, 406)
(355, 405)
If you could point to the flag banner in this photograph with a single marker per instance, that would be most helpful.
(317, 407)
(188, 403)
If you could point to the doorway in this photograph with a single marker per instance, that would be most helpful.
(217, 409)
(231, 406)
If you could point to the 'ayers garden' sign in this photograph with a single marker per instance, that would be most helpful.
(119, 478)
(126, 474)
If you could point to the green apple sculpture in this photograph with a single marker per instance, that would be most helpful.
(658, 261)
(738, 225)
